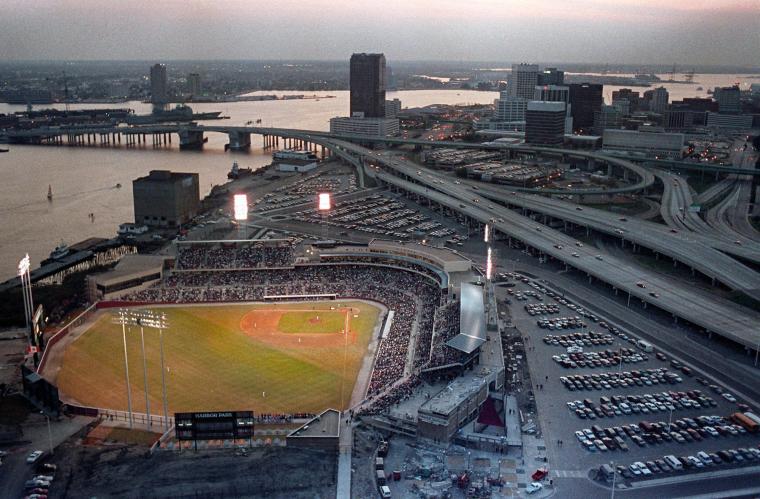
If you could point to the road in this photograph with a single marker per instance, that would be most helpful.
(712, 313)
(685, 248)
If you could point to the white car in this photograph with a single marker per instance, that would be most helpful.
(34, 456)
(533, 487)
(729, 397)
(580, 436)
(634, 469)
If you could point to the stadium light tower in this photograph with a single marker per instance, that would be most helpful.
(240, 206)
(143, 319)
(26, 291)
(324, 204)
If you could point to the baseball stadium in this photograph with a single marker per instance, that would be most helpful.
(257, 325)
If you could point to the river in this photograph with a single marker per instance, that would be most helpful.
(83, 179)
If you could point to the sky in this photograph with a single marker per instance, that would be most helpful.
(697, 32)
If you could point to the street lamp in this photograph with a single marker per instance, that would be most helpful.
(123, 319)
(50, 433)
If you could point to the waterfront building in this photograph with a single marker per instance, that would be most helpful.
(367, 85)
(726, 120)
(545, 122)
(658, 99)
(728, 99)
(194, 84)
(645, 144)
(166, 199)
(159, 94)
(364, 126)
(392, 108)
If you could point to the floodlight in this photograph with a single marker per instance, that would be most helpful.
(23, 265)
(489, 265)
(485, 234)
(324, 201)
(241, 207)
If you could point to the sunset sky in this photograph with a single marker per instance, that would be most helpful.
(716, 32)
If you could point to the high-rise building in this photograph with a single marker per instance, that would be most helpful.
(631, 96)
(392, 108)
(659, 100)
(166, 199)
(607, 117)
(522, 81)
(545, 122)
(368, 85)
(728, 99)
(510, 109)
(556, 93)
(159, 94)
(194, 84)
(551, 76)
(622, 105)
(552, 93)
(585, 100)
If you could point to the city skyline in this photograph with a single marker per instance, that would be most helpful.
(548, 30)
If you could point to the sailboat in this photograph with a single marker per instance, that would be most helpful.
(50, 193)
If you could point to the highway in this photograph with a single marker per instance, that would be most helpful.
(712, 313)
(683, 247)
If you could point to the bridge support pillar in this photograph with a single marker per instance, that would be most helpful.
(190, 139)
(239, 141)
(591, 164)
(609, 169)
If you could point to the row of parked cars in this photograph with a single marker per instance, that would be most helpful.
(671, 463)
(37, 487)
(618, 405)
(588, 339)
(558, 323)
(609, 380)
(605, 358)
(681, 431)
(534, 309)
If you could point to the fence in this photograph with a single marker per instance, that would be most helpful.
(77, 321)
(138, 418)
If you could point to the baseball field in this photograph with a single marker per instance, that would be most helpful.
(272, 358)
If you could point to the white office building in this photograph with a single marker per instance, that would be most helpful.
(723, 120)
(367, 127)
(522, 81)
(392, 108)
(644, 144)
(556, 93)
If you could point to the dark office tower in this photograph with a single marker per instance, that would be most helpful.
(630, 95)
(158, 87)
(368, 85)
(551, 76)
(545, 122)
(585, 100)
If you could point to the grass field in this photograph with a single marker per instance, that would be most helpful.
(281, 358)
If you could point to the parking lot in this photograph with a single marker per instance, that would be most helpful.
(603, 399)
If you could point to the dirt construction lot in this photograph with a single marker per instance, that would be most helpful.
(130, 472)
(272, 358)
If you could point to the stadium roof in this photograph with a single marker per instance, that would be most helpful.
(472, 319)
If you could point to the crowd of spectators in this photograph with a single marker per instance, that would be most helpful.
(281, 418)
(412, 296)
(446, 327)
(234, 256)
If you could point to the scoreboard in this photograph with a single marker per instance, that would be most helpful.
(213, 425)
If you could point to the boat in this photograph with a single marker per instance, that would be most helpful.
(294, 154)
(50, 193)
(236, 171)
(118, 186)
(699, 89)
(4, 150)
(59, 252)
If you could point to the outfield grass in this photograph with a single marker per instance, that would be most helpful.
(312, 322)
(212, 365)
